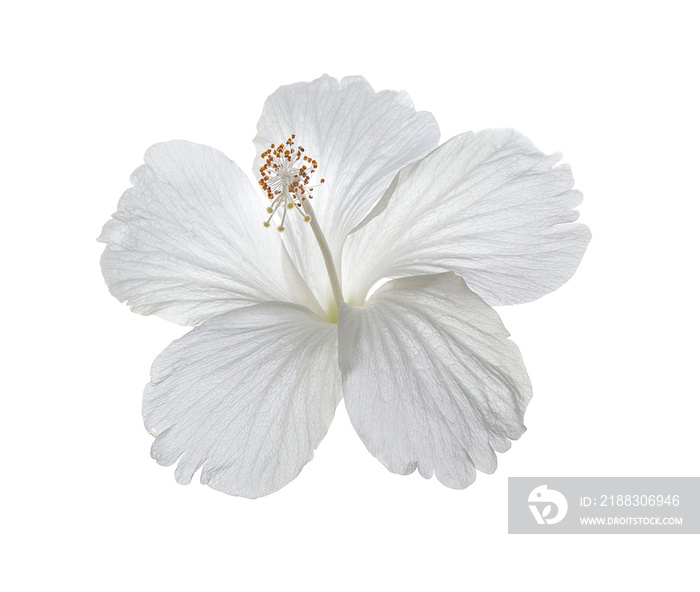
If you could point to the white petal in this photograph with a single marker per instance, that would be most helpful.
(431, 380)
(188, 242)
(360, 138)
(247, 396)
(488, 206)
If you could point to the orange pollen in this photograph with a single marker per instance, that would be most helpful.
(285, 177)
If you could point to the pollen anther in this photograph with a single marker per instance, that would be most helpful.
(285, 177)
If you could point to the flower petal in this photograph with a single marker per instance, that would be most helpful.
(489, 206)
(431, 379)
(187, 241)
(360, 138)
(248, 395)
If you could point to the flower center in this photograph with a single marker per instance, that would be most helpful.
(285, 177)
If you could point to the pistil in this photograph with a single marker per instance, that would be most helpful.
(326, 252)
(285, 177)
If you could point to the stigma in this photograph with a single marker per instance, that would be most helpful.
(285, 177)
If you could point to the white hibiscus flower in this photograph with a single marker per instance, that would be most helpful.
(290, 322)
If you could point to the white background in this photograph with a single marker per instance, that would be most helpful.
(86, 88)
